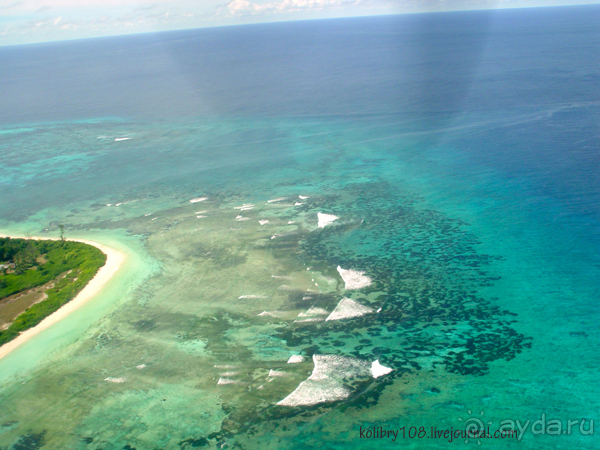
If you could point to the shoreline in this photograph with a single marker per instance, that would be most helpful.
(114, 260)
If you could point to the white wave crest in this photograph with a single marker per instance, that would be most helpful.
(353, 278)
(325, 383)
(377, 370)
(325, 219)
(348, 308)
(115, 380)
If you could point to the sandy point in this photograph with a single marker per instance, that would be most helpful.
(114, 260)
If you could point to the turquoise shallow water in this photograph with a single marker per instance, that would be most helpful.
(467, 196)
(485, 303)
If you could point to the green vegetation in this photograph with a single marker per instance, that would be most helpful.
(27, 264)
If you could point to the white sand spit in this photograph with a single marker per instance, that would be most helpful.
(295, 359)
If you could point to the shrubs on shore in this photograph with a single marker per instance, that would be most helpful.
(31, 263)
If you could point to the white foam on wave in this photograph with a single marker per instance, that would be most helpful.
(314, 311)
(283, 277)
(295, 359)
(377, 370)
(277, 373)
(154, 218)
(310, 319)
(250, 296)
(115, 380)
(246, 208)
(141, 366)
(200, 212)
(198, 199)
(241, 218)
(325, 219)
(225, 381)
(266, 313)
(312, 315)
(348, 308)
(263, 222)
(303, 197)
(276, 200)
(298, 204)
(122, 139)
(291, 222)
(354, 279)
(325, 383)
(200, 217)
(245, 205)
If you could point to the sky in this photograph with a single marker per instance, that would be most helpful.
(31, 21)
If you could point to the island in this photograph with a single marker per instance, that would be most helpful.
(38, 277)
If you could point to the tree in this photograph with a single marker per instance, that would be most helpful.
(61, 227)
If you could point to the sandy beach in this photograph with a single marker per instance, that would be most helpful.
(114, 260)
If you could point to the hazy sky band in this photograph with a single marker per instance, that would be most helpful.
(29, 21)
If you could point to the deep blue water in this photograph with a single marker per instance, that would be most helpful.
(467, 143)
(428, 63)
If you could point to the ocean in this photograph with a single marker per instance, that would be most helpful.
(340, 233)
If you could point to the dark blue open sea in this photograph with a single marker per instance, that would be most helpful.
(340, 233)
